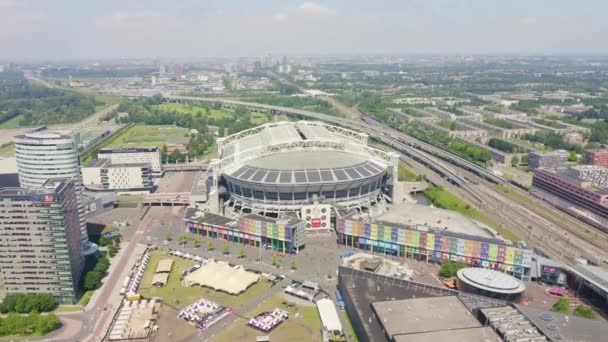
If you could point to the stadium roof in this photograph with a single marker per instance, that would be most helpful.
(329, 315)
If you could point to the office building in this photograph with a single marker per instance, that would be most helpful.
(102, 175)
(596, 157)
(148, 155)
(40, 239)
(42, 155)
(547, 160)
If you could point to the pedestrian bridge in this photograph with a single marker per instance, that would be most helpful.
(167, 198)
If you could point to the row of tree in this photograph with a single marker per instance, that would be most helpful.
(505, 146)
(26, 303)
(93, 277)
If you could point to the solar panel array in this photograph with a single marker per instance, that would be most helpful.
(259, 175)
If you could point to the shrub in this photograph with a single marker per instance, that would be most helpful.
(562, 306)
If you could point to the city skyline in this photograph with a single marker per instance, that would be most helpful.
(69, 29)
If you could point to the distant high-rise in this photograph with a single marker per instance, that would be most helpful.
(40, 239)
(44, 155)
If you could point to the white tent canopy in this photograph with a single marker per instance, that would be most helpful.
(219, 275)
(329, 315)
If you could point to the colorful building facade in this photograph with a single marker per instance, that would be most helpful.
(435, 246)
(281, 235)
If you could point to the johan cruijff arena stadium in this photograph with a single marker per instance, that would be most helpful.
(283, 166)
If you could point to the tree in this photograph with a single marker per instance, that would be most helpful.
(449, 268)
(91, 280)
(572, 156)
(112, 250)
(514, 161)
(241, 252)
(275, 260)
(168, 236)
(293, 265)
(562, 306)
(104, 241)
(225, 249)
(210, 245)
(585, 312)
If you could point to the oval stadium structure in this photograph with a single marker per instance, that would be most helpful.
(281, 166)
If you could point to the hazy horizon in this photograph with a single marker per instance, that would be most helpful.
(70, 29)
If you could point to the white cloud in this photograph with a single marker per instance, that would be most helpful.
(528, 21)
(313, 7)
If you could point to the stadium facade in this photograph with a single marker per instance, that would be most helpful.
(282, 166)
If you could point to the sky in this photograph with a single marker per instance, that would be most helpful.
(56, 29)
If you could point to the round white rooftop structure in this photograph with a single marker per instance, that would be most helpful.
(491, 280)
(43, 135)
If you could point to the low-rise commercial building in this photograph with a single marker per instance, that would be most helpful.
(435, 245)
(40, 249)
(286, 234)
(596, 157)
(547, 160)
(148, 155)
(102, 175)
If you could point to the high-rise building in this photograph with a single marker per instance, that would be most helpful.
(40, 239)
(43, 155)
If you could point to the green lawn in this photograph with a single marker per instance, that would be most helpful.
(192, 109)
(147, 136)
(67, 308)
(444, 199)
(305, 327)
(86, 297)
(187, 295)
(7, 150)
(258, 118)
(405, 174)
(12, 123)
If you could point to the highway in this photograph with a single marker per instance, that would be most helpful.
(556, 238)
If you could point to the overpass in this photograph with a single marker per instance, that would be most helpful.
(168, 198)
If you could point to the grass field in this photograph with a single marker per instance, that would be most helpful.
(405, 174)
(305, 327)
(444, 199)
(147, 136)
(190, 109)
(86, 297)
(349, 326)
(7, 150)
(187, 295)
(12, 123)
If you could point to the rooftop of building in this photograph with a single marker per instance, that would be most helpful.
(480, 334)
(42, 135)
(491, 280)
(550, 153)
(425, 217)
(219, 220)
(424, 315)
(50, 186)
(128, 150)
(107, 163)
(560, 327)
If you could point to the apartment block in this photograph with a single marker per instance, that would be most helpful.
(596, 157)
(40, 249)
(547, 160)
